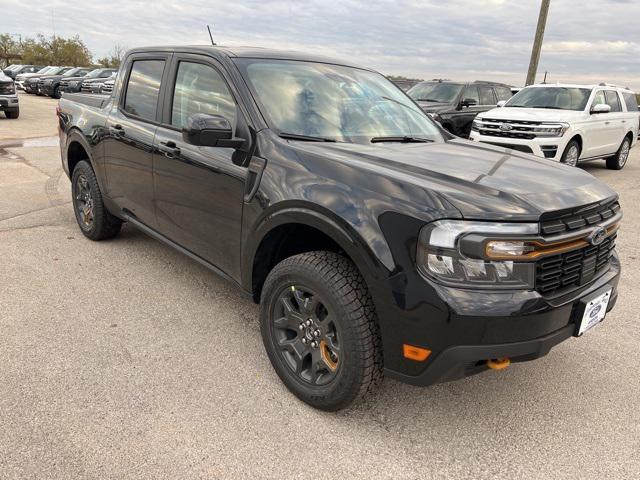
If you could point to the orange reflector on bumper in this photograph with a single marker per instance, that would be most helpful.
(498, 363)
(418, 354)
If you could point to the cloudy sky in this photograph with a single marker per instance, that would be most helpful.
(585, 41)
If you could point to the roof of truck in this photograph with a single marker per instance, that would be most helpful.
(246, 52)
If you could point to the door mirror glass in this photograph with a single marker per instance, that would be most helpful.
(205, 130)
(601, 108)
(469, 102)
(501, 103)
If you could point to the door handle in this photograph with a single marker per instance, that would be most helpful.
(116, 130)
(624, 121)
(607, 122)
(169, 149)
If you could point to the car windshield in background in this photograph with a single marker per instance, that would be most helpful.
(435, 92)
(72, 72)
(332, 102)
(559, 98)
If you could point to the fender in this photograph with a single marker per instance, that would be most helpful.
(76, 135)
(368, 258)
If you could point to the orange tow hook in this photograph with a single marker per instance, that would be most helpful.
(498, 363)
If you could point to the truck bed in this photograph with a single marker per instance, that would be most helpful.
(88, 99)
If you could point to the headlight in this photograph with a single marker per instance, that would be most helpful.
(476, 124)
(440, 254)
(551, 130)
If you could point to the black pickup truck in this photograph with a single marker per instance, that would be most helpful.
(373, 240)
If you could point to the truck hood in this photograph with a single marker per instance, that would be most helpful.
(533, 114)
(482, 181)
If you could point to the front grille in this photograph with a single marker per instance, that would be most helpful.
(495, 127)
(107, 88)
(86, 87)
(573, 269)
(6, 88)
(577, 218)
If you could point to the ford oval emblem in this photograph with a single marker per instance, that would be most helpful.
(597, 236)
(505, 127)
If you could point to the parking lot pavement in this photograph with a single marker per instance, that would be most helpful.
(125, 359)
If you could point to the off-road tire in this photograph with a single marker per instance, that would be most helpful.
(104, 225)
(341, 286)
(619, 160)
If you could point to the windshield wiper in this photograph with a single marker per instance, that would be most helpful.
(305, 138)
(403, 139)
(429, 100)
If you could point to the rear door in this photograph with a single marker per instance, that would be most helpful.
(616, 128)
(131, 127)
(199, 190)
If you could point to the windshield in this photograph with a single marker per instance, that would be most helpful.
(72, 73)
(333, 102)
(45, 70)
(435, 92)
(559, 98)
(94, 73)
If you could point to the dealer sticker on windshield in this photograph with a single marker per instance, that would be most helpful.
(594, 311)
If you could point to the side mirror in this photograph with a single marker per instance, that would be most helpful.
(501, 103)
(601, 108)
(469, 102)
(205, 130)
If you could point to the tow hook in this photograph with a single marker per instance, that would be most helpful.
(498, 363)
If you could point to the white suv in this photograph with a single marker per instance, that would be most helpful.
(565, 123)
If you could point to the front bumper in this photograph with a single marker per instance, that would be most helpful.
(550, 148)
(31, 87)
(46, 88)
(466, 328)
(9, 102)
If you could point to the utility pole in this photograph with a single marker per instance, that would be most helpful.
(537, 42)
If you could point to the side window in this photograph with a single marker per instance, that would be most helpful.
(486, 96)
(201, 89)
(598, 98)
(613, 100)
(630, 101)
(503, 93)
(143, 88)
(471, 93)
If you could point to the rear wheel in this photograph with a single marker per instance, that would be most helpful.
(92, 216)
(12, 113)
(618, 161)
(320, 330)
(571, 154)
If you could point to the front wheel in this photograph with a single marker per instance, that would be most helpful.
(571, 154)
(320, 329)
(12, 113)
(56, 92)
(618, 161)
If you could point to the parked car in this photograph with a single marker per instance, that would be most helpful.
(95, 85)
(565, 123)
(14, 72)
(372, 239)
(74, 84)
(50, 84)
(107, 88)
(31, 83)
(454, 104)
(22, 77)
(9, 102)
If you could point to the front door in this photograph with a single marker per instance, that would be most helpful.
(128, 144)
(198, 190)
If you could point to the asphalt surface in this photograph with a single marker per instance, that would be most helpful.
(125, 359)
